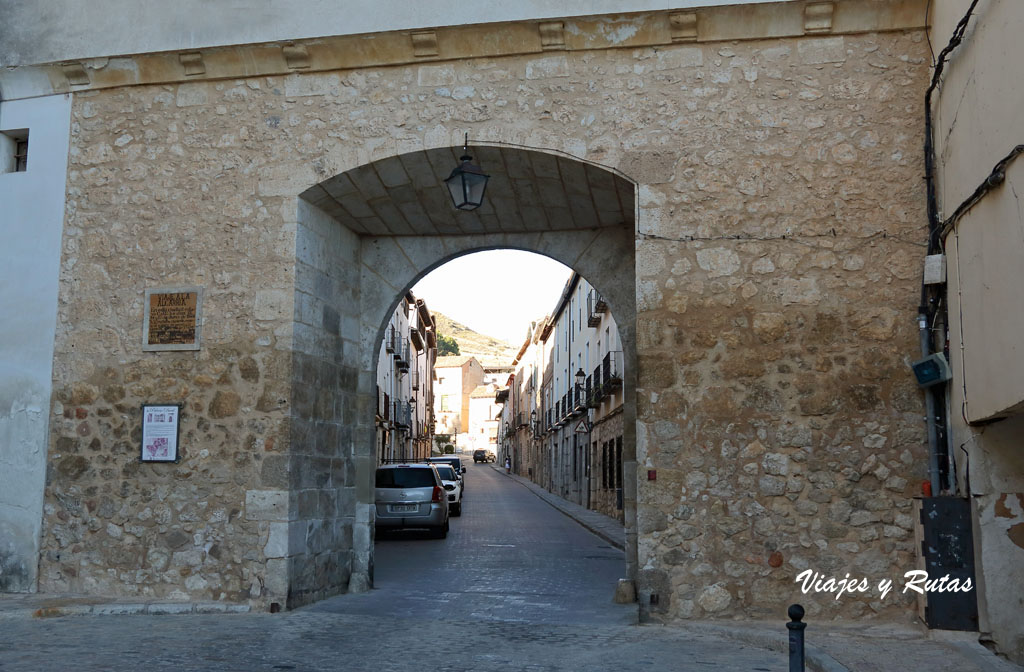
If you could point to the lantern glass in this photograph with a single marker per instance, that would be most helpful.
(466, 185)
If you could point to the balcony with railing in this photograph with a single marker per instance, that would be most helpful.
(403, 414)
(611, 371)
(402, 355)
(596, 305)
(579, 402)
(597, 389)
(389, 340)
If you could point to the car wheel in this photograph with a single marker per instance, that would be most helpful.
(457, 509)
(442, 531)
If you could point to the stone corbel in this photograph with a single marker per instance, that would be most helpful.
(296, 56)
(552, 35)
(193, 63)
(75, 73)
(818, 17)
(684, 26)
(424, 44)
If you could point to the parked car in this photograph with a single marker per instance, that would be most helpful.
(453, 484)
(456, 463)
(411, 496)
(481, 455)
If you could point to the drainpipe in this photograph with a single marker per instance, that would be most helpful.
(929, 405)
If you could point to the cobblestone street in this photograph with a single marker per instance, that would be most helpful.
(515, 586)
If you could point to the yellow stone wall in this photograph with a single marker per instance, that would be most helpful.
(778, 250)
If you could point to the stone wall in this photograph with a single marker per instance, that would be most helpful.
(777, 277)
(325, 362)
(606, 500)
(155, 199)
(777, 259)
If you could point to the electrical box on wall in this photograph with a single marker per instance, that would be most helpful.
(935, 269)
(932, 370)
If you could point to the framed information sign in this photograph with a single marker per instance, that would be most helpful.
(160, 433)
(172, 319)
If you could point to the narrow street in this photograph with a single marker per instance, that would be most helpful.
(510, 557)
(515, 586)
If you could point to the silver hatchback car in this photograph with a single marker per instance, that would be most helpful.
(411, 496)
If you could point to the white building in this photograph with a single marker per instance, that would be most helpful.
(484, 416)
(562, 414)
(405, 384)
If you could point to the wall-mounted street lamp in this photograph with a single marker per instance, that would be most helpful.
(467, 182)
(533, 424)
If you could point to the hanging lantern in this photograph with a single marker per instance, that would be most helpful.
(467, 182)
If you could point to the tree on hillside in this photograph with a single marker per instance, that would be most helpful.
(446, 345)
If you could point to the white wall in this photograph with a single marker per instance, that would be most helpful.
(57, 30)
(31, 222)
(977, 122)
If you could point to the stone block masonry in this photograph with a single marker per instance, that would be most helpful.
(780, 208)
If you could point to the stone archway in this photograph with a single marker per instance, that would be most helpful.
(775, 284)
(594, 237)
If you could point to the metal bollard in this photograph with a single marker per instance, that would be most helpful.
(796, 638)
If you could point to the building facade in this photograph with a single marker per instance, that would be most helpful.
(741, 181)
(562, 413)
(455, 379)
(978, 220)
(405, 409)
(484, 417)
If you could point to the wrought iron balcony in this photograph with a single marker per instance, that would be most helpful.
(402, 355)
(611, 370)
(596, 305)
(403, 414)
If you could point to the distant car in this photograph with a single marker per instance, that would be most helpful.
(453, 484)
(456, 463)
(483, 456)
(411, 496)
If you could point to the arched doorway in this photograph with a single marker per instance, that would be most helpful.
(365, 236)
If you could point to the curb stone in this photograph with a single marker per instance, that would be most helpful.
(122, 609)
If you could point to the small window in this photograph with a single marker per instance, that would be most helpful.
(14, 151)
(21, 156)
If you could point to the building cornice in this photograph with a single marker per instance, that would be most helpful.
(453, 43)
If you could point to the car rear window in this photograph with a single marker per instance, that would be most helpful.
(446, 472)
(405, 478)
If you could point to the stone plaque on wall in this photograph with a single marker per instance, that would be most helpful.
(172, 319)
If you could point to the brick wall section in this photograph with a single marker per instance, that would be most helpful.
(772, 392)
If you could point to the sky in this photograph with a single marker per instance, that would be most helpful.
(474, 290)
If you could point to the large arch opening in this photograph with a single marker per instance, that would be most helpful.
(364, 238)
(511, 553)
